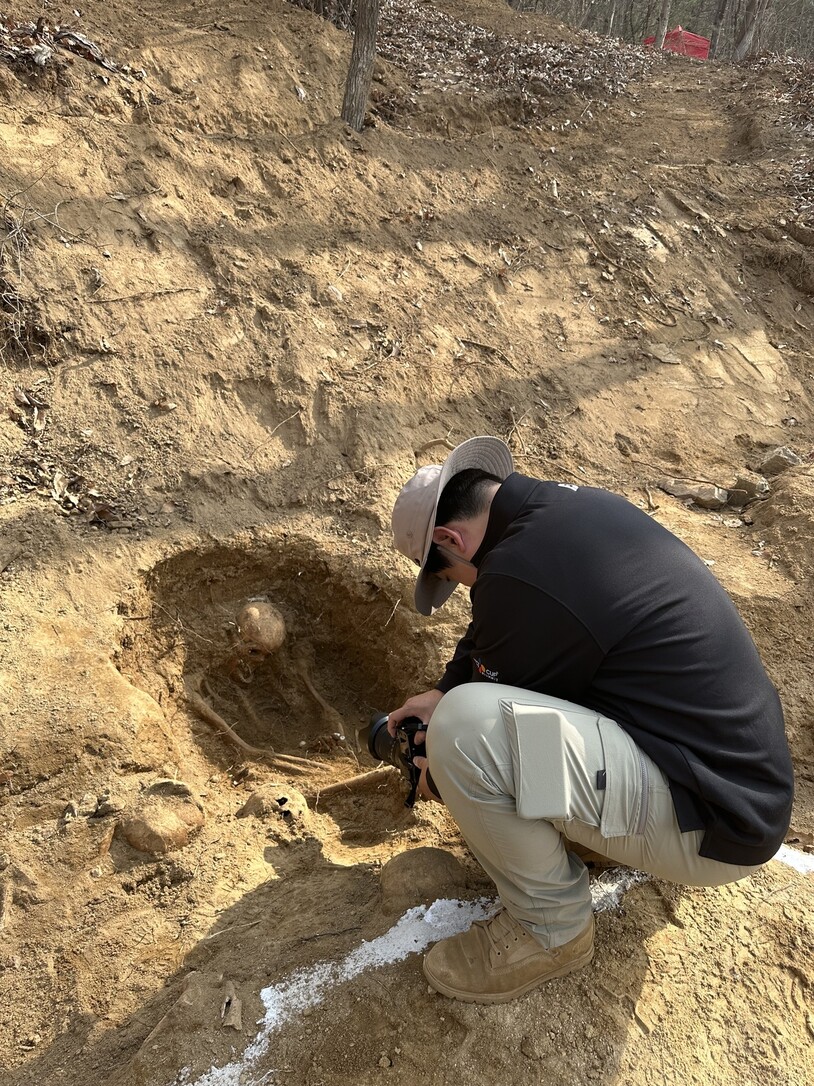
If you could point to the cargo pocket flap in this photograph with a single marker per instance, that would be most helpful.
(537, 742)
(623, 785)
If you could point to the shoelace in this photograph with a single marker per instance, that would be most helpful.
(502, 930)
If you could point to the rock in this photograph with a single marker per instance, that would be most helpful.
(419, 877)
(27, 889)
(704, 494)
(87, 804)
(193, 1016)
(17, 887)
(261, 626)
(532, 1047)
(780, 459)
(662, 352)
(747, 487)
(173, 788)
(165, 818)
(159, 830)
(84, 841)
(10, 85)
(107, 804)
(231, 1011)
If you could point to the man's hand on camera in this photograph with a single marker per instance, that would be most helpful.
(420, 705)
(424, 789)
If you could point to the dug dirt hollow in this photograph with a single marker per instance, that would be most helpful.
(230, 328)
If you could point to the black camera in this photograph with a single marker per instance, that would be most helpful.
(398, 750)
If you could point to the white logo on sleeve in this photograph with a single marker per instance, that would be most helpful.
(485, 672)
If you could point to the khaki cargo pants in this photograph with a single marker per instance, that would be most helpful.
(520, 772)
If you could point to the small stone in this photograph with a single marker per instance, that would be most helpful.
(171, 788)
(780, 459)
(334, 294)
(705, 495)
(531, 1048)
(87, 804)
(95, 872)
(747, 487)
(419, 876)
(663, 352)
(385, 1062)
(158, 831)
(106, 804)
(163, 820)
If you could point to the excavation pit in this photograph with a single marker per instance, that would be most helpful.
(348, 651)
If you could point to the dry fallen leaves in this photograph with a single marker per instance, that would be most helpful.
(797, 111)
(439, 51)
(38, 42)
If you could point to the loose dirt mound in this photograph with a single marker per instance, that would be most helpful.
(229, 329)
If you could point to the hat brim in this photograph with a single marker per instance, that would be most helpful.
(487, 453)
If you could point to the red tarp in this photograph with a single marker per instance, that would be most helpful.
(682, 41)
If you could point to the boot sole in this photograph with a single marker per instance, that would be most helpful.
(506, 997)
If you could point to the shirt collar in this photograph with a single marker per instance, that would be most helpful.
(507, 503)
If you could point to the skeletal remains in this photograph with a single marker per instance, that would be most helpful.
(260, 631)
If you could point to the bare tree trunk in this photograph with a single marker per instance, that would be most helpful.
(632, 36)
(645, 24)
(664, 22)
(717, 21)
(611, 19)
(746, 32)
(761, 24)
(586, 11)
(360, 72)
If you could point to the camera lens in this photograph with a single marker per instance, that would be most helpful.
(381, 744)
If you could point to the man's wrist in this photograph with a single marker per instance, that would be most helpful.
(445, 684)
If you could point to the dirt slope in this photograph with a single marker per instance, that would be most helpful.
(229, 329)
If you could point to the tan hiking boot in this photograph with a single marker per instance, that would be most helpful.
(497, 960)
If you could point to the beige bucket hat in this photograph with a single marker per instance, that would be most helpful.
(417, 504)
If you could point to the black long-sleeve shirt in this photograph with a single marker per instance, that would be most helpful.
(583, 596)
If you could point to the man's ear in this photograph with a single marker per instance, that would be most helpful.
(448, 537)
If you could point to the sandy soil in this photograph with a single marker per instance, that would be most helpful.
(230, 328)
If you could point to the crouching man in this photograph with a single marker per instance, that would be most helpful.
(605, 693)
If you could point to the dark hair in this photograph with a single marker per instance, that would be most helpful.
(465, 496)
